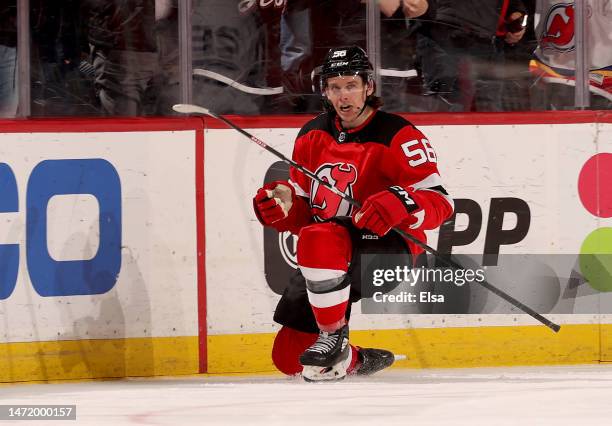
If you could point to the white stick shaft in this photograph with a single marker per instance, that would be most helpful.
(239, 86)
(191, 109)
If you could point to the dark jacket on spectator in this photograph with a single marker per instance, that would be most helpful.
(122, 24)
(479, 18)
(8, 23)
(56, 32)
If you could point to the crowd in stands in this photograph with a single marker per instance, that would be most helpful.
(121, 57)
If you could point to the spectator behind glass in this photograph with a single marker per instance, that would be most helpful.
(554, 62)
(8, 59)
(399, 21)
(59, 85)
(233, 41)
(461, 51)
(517, 79)
(124, 52)
(166, 83)
(309, 28)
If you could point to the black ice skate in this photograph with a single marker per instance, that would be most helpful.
(373, 360)
(328, 358)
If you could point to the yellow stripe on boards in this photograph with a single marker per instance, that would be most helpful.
(432, 347)
(250, 353)
(99, 358)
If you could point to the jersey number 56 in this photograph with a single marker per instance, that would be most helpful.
(419, 151)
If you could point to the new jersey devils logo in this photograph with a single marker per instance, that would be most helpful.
(248, 5)
(559, 28)
(325, 203)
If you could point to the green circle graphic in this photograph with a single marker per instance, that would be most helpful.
(596, 259)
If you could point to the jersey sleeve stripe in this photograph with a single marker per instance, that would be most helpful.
(433, 182)
(430, 181)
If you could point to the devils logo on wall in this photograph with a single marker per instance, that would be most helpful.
(559, 28)
(324, 202)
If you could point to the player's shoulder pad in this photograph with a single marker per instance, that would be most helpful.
(322, 122)
(385, 126)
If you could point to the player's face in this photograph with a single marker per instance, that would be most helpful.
(348, 94)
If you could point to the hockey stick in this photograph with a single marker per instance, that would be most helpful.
(195, 109)
(233, 83)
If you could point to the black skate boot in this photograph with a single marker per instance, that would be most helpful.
(373, 360)
(328, 358)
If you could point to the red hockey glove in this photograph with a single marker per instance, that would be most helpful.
(273, 202)
(384, 210)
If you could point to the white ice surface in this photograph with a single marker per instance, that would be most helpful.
(576, 395)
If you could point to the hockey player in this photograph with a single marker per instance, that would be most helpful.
(384, 162)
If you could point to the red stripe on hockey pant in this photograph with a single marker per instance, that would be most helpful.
(354, 360)
(289, 344)
(332, 318)
(325, 246)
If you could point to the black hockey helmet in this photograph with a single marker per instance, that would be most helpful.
(350, 60)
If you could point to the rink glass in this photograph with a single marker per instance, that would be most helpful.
(261, 56)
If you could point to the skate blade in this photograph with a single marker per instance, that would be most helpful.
(339, 379)
(314, 373)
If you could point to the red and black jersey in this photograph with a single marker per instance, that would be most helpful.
(386, 151)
